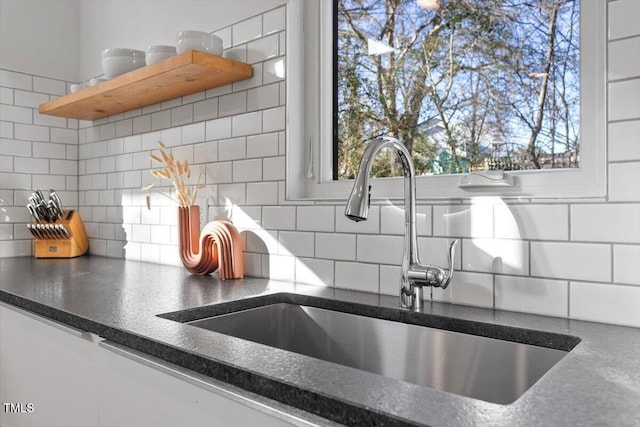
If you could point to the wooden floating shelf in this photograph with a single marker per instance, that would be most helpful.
(180, 75)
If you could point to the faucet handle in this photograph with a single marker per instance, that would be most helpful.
(437, 276)
(452, 255)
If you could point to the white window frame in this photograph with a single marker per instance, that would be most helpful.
(309, 120)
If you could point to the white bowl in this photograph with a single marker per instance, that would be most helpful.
(76, 87)
(96, 81)
(158, 53)
(118, 61)
(198, 40)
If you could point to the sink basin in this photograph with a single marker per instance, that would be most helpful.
(486, 368)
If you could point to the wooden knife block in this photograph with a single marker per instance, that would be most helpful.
(77, 243)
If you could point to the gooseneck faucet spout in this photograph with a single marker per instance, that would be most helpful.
(414, 274)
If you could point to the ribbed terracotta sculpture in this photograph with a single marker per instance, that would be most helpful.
(219, 245)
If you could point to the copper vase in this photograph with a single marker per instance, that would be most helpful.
(218, 246)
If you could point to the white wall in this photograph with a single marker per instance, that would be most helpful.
(40, 37)
(138, 24)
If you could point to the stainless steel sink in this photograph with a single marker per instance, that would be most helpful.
(489, 369)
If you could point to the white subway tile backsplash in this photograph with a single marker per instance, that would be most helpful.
(252, 264)
(624, 182)
(181, 115)
(279, 267)
(14, 248)
(232, 149)
(218, 173)
(315, 218)
(262, 193)
(50, 86)
(247, 170)
(380, 249)
(296, 243)
(263, 49)
(246, 124)
(171, 137)
(496, 256)
(45, 120)
(273, 71)
(538, 296)
(206, 152)
(247, 30)
(132, 179)
(107, 131)
(49, 150)
(263, 97)
(63, 167)
(29, 99)
(205, 110)
(606, 223)
(124, 128)
(6, 163)
(263, 145)
(336, 246)
(390, 281)
(16, 80)
(273, 119)
(142, 124)
(140, 160)
(218, 129)
(218, 91)
(626, 268)
(115, 146)
(273, 168)
(623, 20)
(6, 130)
(392, 220)
(48, 181)
(312, 271)
(10, 113)
(130, 144)
(624, 141)
(468, 289)
(621, 64)
(357, 276)
(34, 165)
(161, 120)
(575, 261)
(234, 103)
(599, 302)
(274, 21)
(6, 96)
(279, 217)
(463, 221)
(12, 147)
(624, 100)
(65, 136)
(527, 250)
(535, 222)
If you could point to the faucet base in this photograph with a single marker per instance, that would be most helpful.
(411, 298)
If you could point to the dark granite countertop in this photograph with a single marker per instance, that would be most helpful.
(597, 383)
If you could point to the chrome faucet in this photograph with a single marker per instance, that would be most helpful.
(414, 274)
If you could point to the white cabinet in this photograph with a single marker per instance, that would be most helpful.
(48, 375)
(136, 395)
(53, 375)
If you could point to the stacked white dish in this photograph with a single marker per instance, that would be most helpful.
(158, 53)
(116, 61)
(198, 40)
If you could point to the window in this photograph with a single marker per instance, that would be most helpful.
(313, 157)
